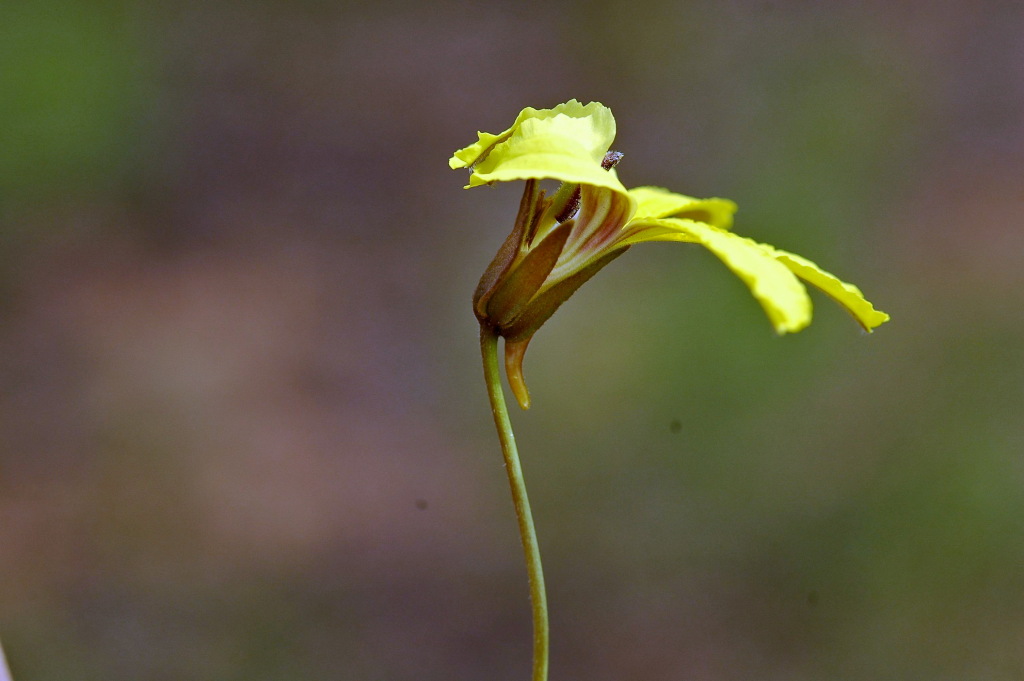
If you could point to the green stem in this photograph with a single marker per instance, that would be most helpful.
(538, 598)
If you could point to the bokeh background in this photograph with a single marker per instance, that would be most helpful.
(243, 431)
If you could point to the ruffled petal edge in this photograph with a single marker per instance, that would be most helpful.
(846, 294)
(781, 295)
(476, 152)
(787, 309)
(565, 143)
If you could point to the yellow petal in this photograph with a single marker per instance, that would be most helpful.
(565, 143)
(655, 202)
(780, 293)
(847, 295)
(474, 153)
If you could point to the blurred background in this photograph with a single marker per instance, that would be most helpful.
(243, 430)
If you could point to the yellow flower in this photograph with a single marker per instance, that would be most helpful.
(560, 241)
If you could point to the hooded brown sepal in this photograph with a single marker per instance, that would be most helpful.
(543, 306)
(520, 333)
(516, 288)
(513, 246)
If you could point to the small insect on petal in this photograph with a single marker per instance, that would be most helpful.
(611, 159)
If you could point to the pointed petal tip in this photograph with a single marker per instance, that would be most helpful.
(522, 397)
(873, 321)
(514, 352)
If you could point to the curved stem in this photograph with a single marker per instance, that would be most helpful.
(538, 598)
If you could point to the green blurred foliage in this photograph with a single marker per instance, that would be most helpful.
(73, 84)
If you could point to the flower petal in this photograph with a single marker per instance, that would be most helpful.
(780, 293)
(598, 229)
(474, 153)
(655, 202)
(847, 295)
(565, 143)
